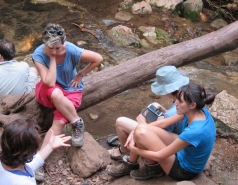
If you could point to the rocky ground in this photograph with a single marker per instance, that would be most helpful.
(23, 21)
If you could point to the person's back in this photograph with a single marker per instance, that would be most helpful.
(16, 78)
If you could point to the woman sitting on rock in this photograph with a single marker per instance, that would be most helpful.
(182, 157)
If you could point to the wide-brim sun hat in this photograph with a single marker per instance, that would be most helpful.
(168, 80)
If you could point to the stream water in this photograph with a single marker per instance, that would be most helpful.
(22, 22)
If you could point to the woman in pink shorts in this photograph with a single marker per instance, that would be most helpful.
(61, 85)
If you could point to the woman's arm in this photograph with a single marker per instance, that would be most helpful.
(94, 59)
(163, 123)
(167, 151)
(48, 76)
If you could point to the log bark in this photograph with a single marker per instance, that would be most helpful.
(111, 81)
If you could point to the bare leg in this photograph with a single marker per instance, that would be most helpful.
(57, 127)
(64, 105)
(146, 134)
(124, 126)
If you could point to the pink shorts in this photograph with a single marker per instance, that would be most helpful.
(43, 96)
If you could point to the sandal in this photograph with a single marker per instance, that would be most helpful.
(116, 158)
(113, 141)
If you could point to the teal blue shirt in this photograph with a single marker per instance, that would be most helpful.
(201, 135)
(66, 71)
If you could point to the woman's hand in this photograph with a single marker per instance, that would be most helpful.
(159, 107)
(75, 83)
(131, 144)
(129, 138)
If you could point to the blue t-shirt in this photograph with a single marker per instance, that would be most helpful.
(201, 135)
(178, 127)
(66, 71)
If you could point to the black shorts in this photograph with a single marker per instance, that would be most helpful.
(179, 173)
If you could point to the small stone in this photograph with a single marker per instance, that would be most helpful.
(93, 116)
(65, 172)
(60, 162)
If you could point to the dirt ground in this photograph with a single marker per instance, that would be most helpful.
(129, 104)
(23, 20)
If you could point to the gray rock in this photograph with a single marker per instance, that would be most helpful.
(225, 109)
(141, 8)
(164, 3)
(193, 5)
(123, 16)
(126, 4)
(218, 23)
(230, 60)
(122, 35)
(89, 158)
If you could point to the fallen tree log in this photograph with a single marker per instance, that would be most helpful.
(113, 80)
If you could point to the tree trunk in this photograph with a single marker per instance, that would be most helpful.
(111, 81)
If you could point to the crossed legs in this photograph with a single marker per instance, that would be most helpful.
(124, 126)
(152, 138)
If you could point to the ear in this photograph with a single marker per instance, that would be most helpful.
(193, 105)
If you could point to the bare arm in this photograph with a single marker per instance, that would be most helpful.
(163, 123)
(48, 76)
(94, 59)
(167, 151)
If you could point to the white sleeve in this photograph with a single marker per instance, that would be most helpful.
(36, 163)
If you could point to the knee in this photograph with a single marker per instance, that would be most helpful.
(120, 122)
(140, 132)
(56, 94)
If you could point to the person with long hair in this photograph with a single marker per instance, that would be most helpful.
(183, 156)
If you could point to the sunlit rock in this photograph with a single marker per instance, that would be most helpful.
(141, 8)
(225, 109)
(169, 4)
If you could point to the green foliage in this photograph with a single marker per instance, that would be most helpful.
(136, 45)
(161, 35)
(191, 15)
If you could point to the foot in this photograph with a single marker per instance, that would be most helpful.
(148, 171)
(40, 174)
(116, 153)
(122, 169)
(78, 130)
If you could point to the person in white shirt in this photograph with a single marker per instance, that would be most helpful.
(19, 158)
(16, 78)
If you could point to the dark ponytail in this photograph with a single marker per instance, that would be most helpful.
(195, 93)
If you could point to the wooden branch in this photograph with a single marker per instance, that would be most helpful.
(85, 30)
(113, 80)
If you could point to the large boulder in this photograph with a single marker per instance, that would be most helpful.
(169, 4)
(122, 35)
(141, 8)
(89, 158)
(225, 110)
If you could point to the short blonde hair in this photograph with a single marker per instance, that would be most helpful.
(52, 34)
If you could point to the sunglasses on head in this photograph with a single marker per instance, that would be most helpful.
(53, 32)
